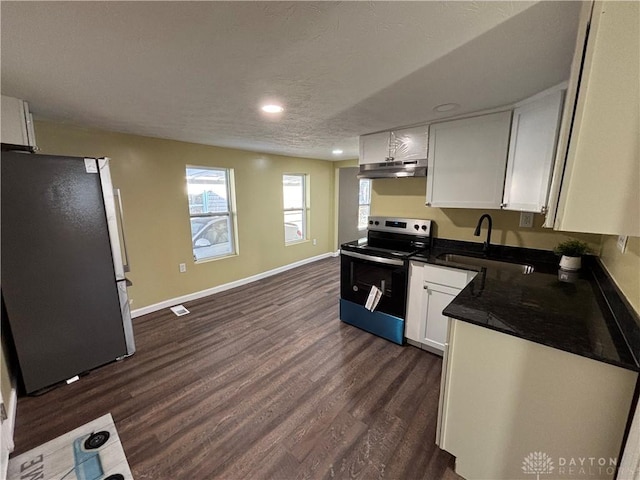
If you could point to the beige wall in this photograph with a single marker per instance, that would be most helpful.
(5, 376)
(353, 162)
(624, 267)
(406, 197)
(151, 175)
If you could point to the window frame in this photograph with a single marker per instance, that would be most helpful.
(230, 213)
(304, 210)
(360, 181)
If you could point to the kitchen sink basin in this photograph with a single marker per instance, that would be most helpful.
(477, 263)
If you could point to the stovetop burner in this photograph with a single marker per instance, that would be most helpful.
(365, 248)
(393, 237)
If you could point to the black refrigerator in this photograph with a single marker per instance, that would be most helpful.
(63, 266)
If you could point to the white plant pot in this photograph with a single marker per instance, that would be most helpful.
(570, 263)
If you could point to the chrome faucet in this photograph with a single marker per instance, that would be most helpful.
(487, 242)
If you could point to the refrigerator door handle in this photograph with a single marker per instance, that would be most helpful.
(125, 311)
(125, 262)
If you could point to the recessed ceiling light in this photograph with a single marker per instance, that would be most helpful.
(446, 107)
(337, 151)
(272, 108)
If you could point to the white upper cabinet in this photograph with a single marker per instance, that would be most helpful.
(374, 148)
(532, 148)
(600, 190)
(17, 123)
(409, 144)
(403, 145)
(467, 161)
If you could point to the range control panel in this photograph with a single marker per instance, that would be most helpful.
(410, 226)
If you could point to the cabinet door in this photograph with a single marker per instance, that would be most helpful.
(410, 144)
(374, 148)
(14, 121)
(467, 161)
(415, 317)
(599, 192)
(506, 397)
(445, 381)
(534, 133)
(435, 325)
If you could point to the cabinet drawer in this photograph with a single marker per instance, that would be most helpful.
(451, 277)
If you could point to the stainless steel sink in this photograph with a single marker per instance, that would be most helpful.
(478, 263)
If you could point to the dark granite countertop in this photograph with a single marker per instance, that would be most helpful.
(575, 317)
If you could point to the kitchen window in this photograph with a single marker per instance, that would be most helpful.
(211, 212)
(364, 203)
(294, 199)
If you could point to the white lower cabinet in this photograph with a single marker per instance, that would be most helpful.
(431, 289)
(509, 406)
(435, 327)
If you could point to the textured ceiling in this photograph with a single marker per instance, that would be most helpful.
(198, 71)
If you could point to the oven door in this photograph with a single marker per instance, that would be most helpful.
(360, 271)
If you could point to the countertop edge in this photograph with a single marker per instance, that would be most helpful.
(454, 316)
(626, 318)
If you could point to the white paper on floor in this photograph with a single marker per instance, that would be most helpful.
(90, 452)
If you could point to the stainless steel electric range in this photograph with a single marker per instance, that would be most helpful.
(381, 261)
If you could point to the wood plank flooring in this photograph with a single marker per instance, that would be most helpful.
(261, 382)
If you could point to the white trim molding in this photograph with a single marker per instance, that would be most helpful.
(227, 286)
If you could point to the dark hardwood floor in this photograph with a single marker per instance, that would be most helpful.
(261, 382)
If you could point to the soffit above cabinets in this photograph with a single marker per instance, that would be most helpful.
(199, 71)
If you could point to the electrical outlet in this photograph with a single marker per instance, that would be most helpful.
(183, 267)
(526, 219)
(622, 243)
(315, 242)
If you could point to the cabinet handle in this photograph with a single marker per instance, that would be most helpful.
(503, 205)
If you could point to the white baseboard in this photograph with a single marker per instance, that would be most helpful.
(221, 288)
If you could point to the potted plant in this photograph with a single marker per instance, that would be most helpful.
(572, 252)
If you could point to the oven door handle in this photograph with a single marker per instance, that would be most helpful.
(386, 261)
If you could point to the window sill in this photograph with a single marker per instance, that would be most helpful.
(215, 259)
(297, 242)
